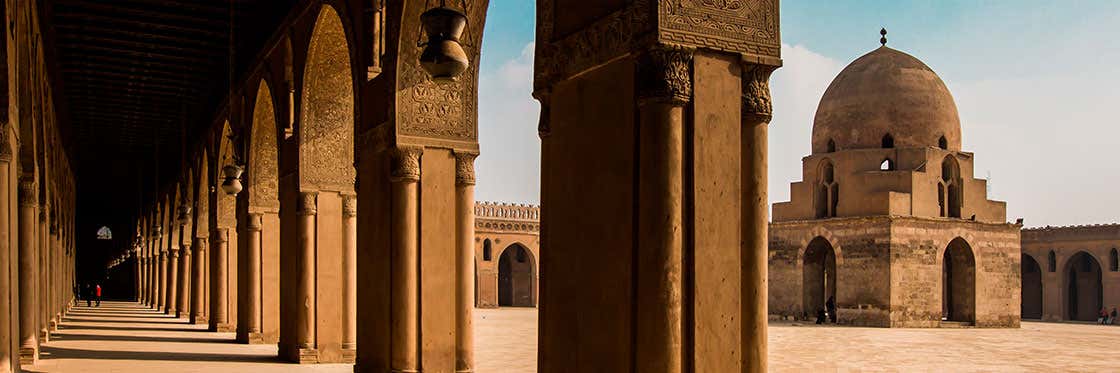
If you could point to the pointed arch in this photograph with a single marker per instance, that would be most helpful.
(827, 194)
(1082, 287)
(958, 302)
(888, 141)
(818, 272)
(262, 173)
(1113, 260)
(943, 143)
(1032, 288)
(949, 189)
(326, 125)
(517, 270)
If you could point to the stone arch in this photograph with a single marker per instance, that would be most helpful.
(818, 273)
(517, 270)
(1082, 287)
(827, 191)
(224, 213)
(1031, 288)
(487, 250)
(1051, 261)
(831, 147)
(1113, 260)
(262, 173)
(888, 141)
(949, 188)
(326, 126)
(943, 143)
(958, 302)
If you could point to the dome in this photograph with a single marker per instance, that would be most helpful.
(886, 92)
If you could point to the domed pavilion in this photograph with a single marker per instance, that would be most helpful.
(888, 219)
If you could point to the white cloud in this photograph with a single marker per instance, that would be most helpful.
(508, 169)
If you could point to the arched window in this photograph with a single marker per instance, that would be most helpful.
(486, 250)
(104, 233)
(943, 143)
(1051, 262)
(827, 191)
(949, 195)
(831, 146)
(887, 165)
(1113, 261)
(888, 141)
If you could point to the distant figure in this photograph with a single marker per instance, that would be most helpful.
(86, 294)
(820, 316)
(1103, 316)
(831, 304)
(77, 295)
(1112, 317)
(98, 288)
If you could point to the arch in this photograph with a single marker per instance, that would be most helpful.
(888, 141)
(943, 143)
(818, 274)
(516, 274)
(887, 165)
(1031, 307)
(827, 191)
(224, 205)
(958, 282)
(1051, 261)
(263, 188)
(950, 196)
(326, 126)
(1082, 284)
(831, 146)
(1113, 260)
(487, 250)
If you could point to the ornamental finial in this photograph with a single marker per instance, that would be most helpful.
(883, 39)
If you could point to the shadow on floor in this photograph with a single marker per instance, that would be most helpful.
(75, 353)
(68, 337)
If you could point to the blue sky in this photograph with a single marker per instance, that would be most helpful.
(1037, 84)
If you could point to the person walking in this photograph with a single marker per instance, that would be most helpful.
(831, 305)
(1112, 318)
(1102, 316)
(77, 294)
(98, 295)
(86, 294)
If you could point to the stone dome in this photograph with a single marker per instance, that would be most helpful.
(886, 92)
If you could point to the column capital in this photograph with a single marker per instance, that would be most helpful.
(219, 234)
(665, 75)
(307, 204)
(349, 205)
(174, 251)
(464, 168)
(405, 165)
(28, 193)
(253, 221)
(757, 105)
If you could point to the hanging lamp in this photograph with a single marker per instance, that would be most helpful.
(443, 57)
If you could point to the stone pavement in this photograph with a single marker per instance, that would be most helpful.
(126, 337)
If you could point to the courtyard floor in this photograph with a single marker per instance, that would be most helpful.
(125, 337)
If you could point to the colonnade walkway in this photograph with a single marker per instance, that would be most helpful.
(129, 337)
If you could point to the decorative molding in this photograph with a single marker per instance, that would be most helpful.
(748, 27)
(5, 143)
(506, 217)
(307, 203)
(349, 205)
(405, 164)
(665, 75)
(464, 168)
(757, 104)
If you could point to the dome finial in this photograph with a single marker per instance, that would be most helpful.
(883, 39)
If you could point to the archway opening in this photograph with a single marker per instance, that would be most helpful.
(888, 141)
(818, 276)
(1084, 293)
(1032, 288)
(958, 302)
(949, 189)
(827, 191)
(515, 277)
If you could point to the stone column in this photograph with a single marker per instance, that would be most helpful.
(28, 272)
(198, 282)
(219, 281)
(350, 272)
(249, 309)
(664, 88)
(172, 282)
(756, 114)
(464, 294)
(44, 268)
(140, 289)
(305, 270)
(9, 266)
(161, 271)
(183, 302)
(405, 253)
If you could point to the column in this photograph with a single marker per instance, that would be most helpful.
(305, 288)
(405, 175)
(350, 272)
(249, 311)
(161, 271)
(664, 87)
(9, 265)
(28, 272)
(198, 282)
(44, 269)
(171, 287)
(464, 294)
(756, 114)
(219, 280)
(183, 302)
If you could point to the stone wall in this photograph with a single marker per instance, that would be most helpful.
(1065, 242)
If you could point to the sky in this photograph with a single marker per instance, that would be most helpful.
(1037, 85)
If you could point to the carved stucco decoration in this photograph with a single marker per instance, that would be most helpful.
(606, 39)
(405, 164)
(738, 26)
(349, 205)
(263, 185)
(665, 74)
(427, 109)
(464, 168)
(326, 131)
(757, 104)
(307, 204)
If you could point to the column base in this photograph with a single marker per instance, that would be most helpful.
(44, 335)
(200, 320)
(300, 355)
(251, 339)
(53, 324)
(349, 355)
(28, 355)
(223, 328)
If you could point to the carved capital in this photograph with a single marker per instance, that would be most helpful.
(200, 245)
(219, 235)
(5, 144)
(254, 222)
(349, 205)
(174, 252)
(28, 193)
(665, 75)
(757, 106)
(307, 204)
(405, 165)
(464, 168)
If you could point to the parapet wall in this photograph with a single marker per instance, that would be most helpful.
(1072, 233)
(506, 217)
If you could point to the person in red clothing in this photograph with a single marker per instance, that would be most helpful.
(98, 294)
